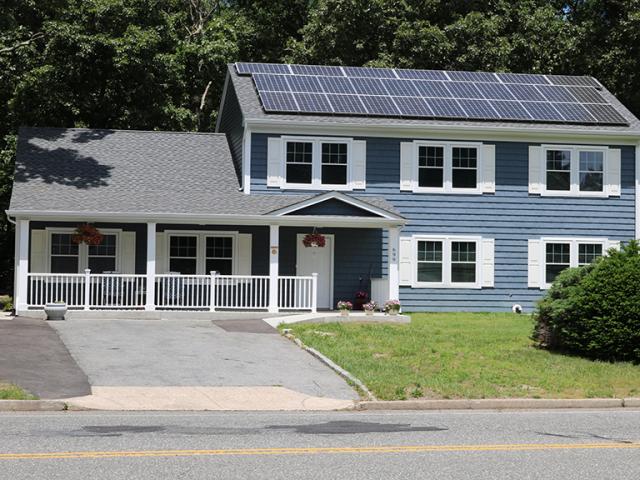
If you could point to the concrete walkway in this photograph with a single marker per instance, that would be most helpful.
(198, 364)
(33, 357)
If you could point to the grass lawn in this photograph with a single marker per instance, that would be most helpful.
(13, 392)
(464, 355)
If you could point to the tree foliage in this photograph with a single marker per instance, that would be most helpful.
(160, 64)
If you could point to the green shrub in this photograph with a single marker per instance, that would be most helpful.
(594, 310)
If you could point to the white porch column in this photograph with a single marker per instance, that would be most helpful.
(21, 264)
(151, 267)
(274, 249)
(392, 259)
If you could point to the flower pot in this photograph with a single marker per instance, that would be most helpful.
(55, 311)
(344, 313)
(394, 311)
(368, 312)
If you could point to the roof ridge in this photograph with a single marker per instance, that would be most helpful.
(124, 130)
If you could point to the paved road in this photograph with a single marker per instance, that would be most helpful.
(563, 445)
(195, 353)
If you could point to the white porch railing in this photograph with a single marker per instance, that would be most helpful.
(172, 291)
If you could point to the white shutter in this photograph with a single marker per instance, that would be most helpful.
(38, 261)
(613, 244)
(161, 254)
(488, 261)
(128, 252)
(407, 161)
(274, 162)
(244, 254)
(612, 175)
(489, 168)
(535, 263)
(359, 166)
(405, 261)
(536, 169)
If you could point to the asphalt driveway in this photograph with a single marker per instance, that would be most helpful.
(156, 353)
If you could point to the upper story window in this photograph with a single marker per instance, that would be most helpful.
(454, 167)
(316, 163)
(575, 171)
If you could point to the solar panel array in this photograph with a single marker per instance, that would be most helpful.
(387, 92)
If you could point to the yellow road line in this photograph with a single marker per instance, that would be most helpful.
(322, 450)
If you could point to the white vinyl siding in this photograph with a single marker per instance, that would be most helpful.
(575, 171)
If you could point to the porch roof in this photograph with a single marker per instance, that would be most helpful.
(146, 174)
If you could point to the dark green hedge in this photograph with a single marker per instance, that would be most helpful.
(594, 310)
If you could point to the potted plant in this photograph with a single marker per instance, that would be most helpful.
(392, 307)
(361, 299)
(55, 310)
(345, 307)
(314, 240)
(370, 307)
(87, 233)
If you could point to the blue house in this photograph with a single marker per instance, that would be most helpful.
(446, 190)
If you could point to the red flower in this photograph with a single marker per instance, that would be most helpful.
(314, 240)
(88, 234)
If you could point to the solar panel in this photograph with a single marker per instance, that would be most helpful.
(542, 111)
(278, 102)
(400, 88)
(251, 68)
(368, 86)
(573, 80)
(445, 107)
(473, 76)
(317, 89)
(336, 85)
(421, 74)
(573, 112)
(304, 83)
(555, 93)
(271, 83)
(494, 91)
(605, 114)
(526, 92)
(313, 102)
(326, 70)
(379, 105)
(530, 78)
(346, 103)
(435, 89)
(587, 94)
(478, 108)
(369, 72)
(511, 110)
(463, 90)
(413, 107)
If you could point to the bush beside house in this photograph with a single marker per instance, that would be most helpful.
(594, 310)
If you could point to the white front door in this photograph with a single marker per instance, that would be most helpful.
(318, 260)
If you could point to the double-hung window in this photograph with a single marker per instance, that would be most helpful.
(201, 253)
(317, 163)
(574, 171)
(447, 262)
(560, 254)
(102, 258)
(183, 254)
(66, 256)
(219, 255)
(448, 168)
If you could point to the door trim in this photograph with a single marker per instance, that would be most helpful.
(299, 238)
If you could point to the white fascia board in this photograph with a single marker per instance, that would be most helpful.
(337, 196)
(290, 220)
(471, 132)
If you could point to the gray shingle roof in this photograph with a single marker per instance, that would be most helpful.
(252, 110)
(135, 172)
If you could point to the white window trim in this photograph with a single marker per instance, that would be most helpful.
(316, 163)
(201, 247)
(83, 248)
(448, 167)
(446, 261)
(573, 252)
(574, 171)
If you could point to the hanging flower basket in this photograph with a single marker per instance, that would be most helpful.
(88, 234)
(314, 240)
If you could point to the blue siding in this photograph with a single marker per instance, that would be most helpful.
(231, 124)
(511, 216)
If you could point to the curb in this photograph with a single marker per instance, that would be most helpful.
(335, 367)
(32, 406)
(500, 404)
